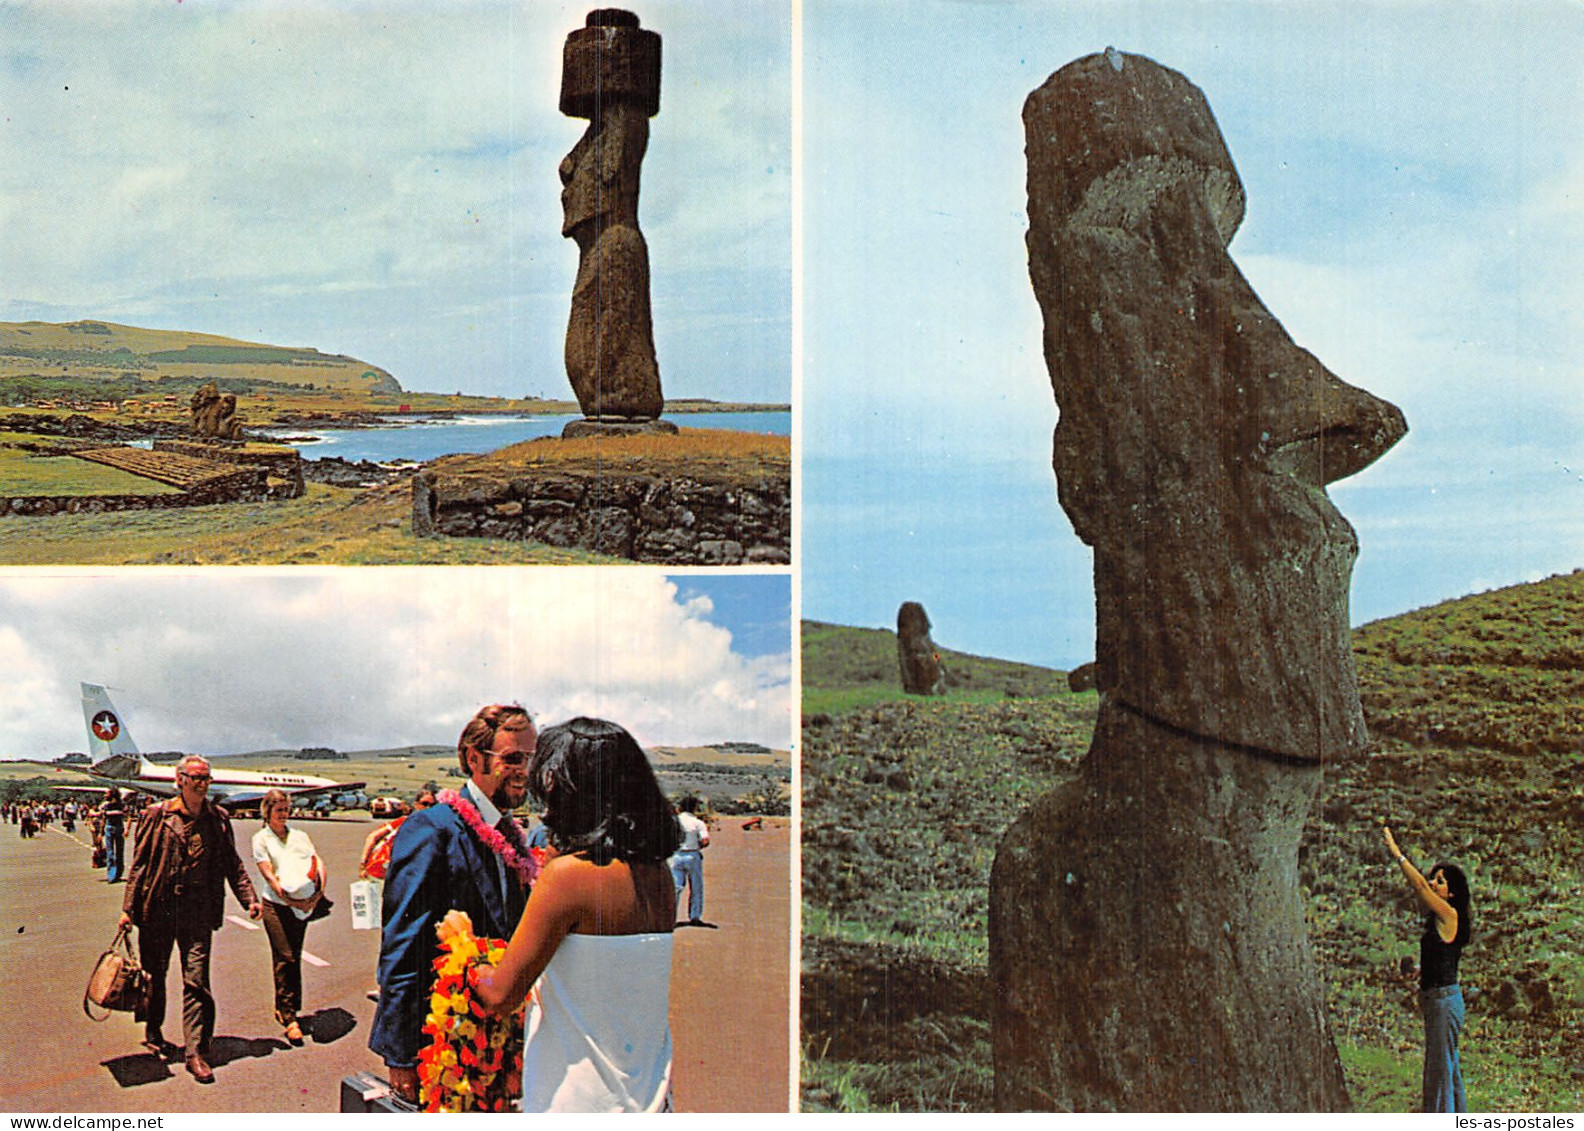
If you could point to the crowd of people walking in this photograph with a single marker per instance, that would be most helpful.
(105, 823)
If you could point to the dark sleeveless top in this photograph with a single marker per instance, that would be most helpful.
(1438, 961)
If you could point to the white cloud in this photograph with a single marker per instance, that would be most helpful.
(371, 658)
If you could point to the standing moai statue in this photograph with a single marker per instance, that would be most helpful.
(611, 76)
(919, 658)
(1148, 947)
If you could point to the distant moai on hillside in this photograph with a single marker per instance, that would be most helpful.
(611, 76)
(1148, 945)
(919, 658)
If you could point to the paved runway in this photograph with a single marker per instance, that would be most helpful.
(730, 989)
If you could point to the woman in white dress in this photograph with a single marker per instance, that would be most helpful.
(594, 942)
(294, 884)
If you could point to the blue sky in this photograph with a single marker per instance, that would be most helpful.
(755, 609)
(1414, 175)
(379, 179)
(229, 661)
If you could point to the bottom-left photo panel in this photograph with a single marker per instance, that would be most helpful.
(396, 839)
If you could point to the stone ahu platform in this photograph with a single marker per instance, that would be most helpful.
(203, 473)
(282, 466)
(701, 497)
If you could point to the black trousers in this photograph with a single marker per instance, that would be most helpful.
(285, 933)
(193, 941)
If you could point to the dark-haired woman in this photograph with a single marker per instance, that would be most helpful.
(594, 942)
(1448, 927)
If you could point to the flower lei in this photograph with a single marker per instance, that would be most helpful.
(525, 863)
(474, 1062)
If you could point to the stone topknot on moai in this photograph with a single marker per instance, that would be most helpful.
(920, 661)
(1147, 936)
(213, 415)
(611, 76)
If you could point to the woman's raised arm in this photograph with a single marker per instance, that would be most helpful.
(1444, 912)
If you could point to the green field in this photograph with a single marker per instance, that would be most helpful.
(326, 526)
(1475, 707)
(729, 782)
(26, 473)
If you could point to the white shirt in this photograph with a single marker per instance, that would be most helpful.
(290, 860)
(491, 816)
(695, 833)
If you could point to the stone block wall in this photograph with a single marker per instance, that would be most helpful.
(285, 466)
(203, 480)
(230, 491)
(672, 521)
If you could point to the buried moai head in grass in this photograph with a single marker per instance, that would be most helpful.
(1196, 438)
(610, 76)
(919, 658)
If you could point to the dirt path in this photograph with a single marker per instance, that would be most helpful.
(731, 985)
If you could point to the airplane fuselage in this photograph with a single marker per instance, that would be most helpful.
(287, 782)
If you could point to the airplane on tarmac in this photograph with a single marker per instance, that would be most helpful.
(118, 762)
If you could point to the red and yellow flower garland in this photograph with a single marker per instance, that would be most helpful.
(474, 1062)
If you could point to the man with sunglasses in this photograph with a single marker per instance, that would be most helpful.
(463, 855)
(182, 858)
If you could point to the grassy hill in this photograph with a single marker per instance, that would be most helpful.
(143, 378)
(1475, 709)
(140, 377)
(731, 779)
(128, 362)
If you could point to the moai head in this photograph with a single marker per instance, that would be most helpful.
(913, 623)
(919, 659)
(610, 74)
(1195, 438)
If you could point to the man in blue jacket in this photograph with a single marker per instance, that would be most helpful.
(462, 854)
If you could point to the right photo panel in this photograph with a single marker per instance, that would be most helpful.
(1192, 614)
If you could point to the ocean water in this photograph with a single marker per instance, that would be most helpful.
(426, 438)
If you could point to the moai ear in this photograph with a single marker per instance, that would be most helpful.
(620, 140)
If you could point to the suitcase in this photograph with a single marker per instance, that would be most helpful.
(366, 1092)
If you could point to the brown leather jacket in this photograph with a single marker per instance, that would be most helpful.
(165, 885)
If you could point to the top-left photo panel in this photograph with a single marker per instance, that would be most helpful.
(366, 283)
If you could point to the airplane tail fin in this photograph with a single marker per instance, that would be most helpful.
(107, 734)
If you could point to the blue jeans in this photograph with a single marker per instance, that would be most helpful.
(1443, 1076)
(113, 851)
(687, 868)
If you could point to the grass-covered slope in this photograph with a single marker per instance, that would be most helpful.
(1475, 707)
(92, 357)
(706, 454)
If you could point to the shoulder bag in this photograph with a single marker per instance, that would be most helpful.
(118, 981)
